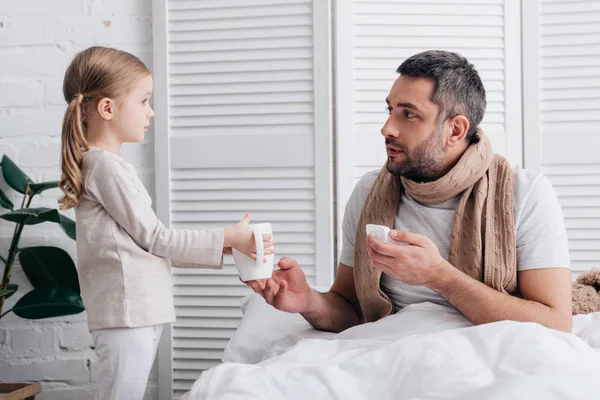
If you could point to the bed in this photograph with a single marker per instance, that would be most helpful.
(426, 351)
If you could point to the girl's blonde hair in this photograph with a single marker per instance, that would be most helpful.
(94, 74)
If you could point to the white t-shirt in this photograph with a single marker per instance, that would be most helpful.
(541, 236)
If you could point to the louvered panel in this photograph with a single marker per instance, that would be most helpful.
(204, 197)
(248, 90)
(268, 56)
(570, 119)
(578, 190)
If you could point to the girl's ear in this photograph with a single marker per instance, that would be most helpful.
(105, 108)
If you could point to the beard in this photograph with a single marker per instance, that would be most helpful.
(424, 163)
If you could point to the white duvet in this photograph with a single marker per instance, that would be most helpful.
(424, 352)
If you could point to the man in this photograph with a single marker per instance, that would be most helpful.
(483, 238)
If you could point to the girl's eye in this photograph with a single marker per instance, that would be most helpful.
(145, 101)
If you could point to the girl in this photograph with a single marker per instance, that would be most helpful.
(124, 252)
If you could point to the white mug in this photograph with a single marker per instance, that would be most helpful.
(381, 233)
(250, 269)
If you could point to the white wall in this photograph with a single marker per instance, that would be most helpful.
(38, 38)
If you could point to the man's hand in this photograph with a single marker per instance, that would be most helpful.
(287, 290)
(417, 263)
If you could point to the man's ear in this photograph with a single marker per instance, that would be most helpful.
(459, 126)
(105, 108)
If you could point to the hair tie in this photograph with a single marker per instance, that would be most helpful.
(78, 97)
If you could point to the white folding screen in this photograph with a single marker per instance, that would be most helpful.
(243, 124)
(243, 101)
(561, 70)
(375, 36)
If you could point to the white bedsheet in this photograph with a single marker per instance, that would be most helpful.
(424, 352)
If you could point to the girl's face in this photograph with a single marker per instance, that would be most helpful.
(133, 112)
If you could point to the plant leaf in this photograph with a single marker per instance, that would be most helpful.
(13, 175)
(47, 266)
(5, 201)
(32, 216)
(6, 293)
(48, 302)
(38, 188)
(68, 226)
(14, 287)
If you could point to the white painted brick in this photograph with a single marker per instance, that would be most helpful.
(76, 32)
(107, 31)
(71, 371)
(33, 342)
(118, 31)
(75, 338)
(142, 52)
(53, 96)
(8, 150)
(32, 8)
(120, 7)
(84, 393)
(41, 153)
(27, 32)
(22, 122)
(33, 239)
(20, 93)
(35, 61)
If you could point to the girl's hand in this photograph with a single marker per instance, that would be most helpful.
(241, 238)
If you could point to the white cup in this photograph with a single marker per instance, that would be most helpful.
(250, 269)
(381, 233)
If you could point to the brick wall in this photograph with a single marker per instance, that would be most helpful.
(38, 38)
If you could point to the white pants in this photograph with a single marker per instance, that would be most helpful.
(125, 358)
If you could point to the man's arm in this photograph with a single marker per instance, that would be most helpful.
(546, 292)
(336, 310)
(546, 297)
(289, 291)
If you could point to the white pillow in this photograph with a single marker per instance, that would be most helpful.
(264, 330)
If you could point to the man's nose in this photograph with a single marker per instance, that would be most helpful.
(389, 128)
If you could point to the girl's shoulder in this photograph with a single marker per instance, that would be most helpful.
(97, 161)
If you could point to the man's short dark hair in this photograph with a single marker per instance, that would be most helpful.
(458, 88)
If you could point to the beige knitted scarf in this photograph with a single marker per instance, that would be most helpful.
(482, 243)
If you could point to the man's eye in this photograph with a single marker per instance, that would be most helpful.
(408, 114)
(389, 110)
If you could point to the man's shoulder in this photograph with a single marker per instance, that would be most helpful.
(361, 191)
(364, 185)
(525, 177)
(533, 191)
(527, 181)
(367, 180)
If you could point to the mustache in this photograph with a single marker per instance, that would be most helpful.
(389, 141)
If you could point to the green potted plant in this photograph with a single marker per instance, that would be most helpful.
(50, 269)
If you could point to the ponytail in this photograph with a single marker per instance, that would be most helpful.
(74, 145)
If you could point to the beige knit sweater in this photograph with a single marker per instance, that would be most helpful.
(482, 244)
(124, 252)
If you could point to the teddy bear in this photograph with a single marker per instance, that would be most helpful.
(585, 292)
